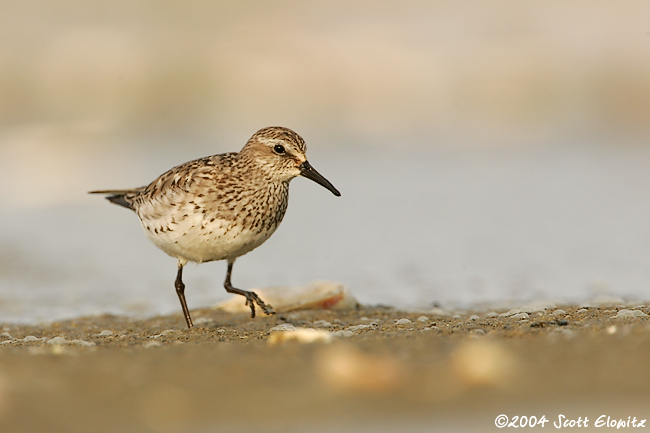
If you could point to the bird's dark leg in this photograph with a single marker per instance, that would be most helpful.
(251, 297)
(180, 291)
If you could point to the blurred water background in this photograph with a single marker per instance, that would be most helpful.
(486, 151)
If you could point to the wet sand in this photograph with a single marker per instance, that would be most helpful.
(382, 370)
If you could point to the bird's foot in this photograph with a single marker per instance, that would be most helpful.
(252, 299)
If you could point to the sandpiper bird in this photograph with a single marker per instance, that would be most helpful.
(222, 206)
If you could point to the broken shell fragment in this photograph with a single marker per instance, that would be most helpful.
(317, 296)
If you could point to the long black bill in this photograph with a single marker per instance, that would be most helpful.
(309, 172)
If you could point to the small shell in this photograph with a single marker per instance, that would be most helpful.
(320, 295)
(300, 335)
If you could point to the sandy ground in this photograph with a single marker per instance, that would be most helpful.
(435, 371)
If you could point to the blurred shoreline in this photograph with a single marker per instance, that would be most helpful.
(508, 72)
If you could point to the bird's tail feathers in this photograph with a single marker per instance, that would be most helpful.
(122, 197)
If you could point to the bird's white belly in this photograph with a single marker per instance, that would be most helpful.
(195, 240)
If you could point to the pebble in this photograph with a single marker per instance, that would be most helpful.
(403, 322)
(358, 328)
(567, 333)
(440, 312)
(202, 321)
(105, 333)
(348, 369)
(524, 309)
(166, 332)
(291, 315)
(300, 335)
(483, 362)
(323, 324)
(423, 319)
(6, 334)
(82, 343)
(32, 338)
(478, 331)
(343, 334)
(61, 341)
(57, 341)
(611, 329)
(283, 327)
(492, 314)
(520, 316)
(628, 314)
(559, 313)
(582, 310)
(58, 349)
(150, 344)
(473, 317)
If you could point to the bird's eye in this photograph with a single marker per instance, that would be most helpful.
(279, 149)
